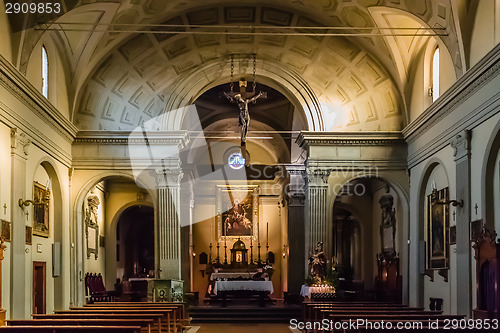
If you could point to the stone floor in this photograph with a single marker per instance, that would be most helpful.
(240, 328)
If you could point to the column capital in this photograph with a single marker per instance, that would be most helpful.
(19, 142)
(318, 176)
(168, 177)
(461, 145)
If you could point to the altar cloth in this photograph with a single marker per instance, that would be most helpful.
(232, 275)
(244, 286)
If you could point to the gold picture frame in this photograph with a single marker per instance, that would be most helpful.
(41, 212)
(437, 230)
(237, 212)
(6, 233)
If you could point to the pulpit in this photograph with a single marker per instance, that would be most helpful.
(487, 251)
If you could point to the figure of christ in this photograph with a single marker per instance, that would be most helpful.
(244, 118)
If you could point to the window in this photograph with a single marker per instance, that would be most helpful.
(45, 73)
(435, 75)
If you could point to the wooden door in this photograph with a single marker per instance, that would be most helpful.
(39, 287)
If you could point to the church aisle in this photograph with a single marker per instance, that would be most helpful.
(241, 328)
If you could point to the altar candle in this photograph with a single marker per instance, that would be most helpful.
(267, 233)
(211, 231)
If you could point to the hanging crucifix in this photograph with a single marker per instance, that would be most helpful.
(243, 98)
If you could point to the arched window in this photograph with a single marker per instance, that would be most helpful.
(45, 73)
(435, 75)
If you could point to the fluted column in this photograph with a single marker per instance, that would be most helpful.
(462, 153)
(318, 228)
(168, 229)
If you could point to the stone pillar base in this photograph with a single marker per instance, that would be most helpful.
(2, 317)
(165, 291)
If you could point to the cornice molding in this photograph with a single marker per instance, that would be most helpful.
(474, 79)
(179, 138)
(307, 139)
(21, 88)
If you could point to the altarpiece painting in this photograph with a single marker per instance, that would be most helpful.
(237, 213)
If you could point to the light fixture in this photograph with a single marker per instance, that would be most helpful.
(436, 201)
(45, 200)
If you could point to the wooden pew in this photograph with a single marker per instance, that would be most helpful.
(155, 318)
(180, 315)
(172, 314)
(70, 329)
(145, 324)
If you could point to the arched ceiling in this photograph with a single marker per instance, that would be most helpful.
(122, 79)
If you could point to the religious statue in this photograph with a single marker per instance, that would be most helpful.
(388, 223)
(244, 117)
(318, 262)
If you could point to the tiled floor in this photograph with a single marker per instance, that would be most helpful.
(241, 328)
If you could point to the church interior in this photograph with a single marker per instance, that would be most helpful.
(188, 166)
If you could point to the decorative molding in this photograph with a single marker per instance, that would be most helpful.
(461, 144)
(307, 139)
(179, 138)
(19, 141)
(21, 88)
(318, 176)
(168, 177)
(474, 79)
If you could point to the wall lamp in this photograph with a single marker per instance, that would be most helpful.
(45, 201)
(436, 201)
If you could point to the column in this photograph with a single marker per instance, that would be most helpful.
(18, 292)
(168, 229)
(461, 145)
(318, 226)
(296, 197)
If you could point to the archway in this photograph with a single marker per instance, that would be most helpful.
(135, 243)
(368, 220)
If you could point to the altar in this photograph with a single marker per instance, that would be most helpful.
(239, 289)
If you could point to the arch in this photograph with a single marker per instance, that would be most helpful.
(111, 238)
(60, 298)
(77, 230)
(271, 73)
(402, 193)
(487, 174)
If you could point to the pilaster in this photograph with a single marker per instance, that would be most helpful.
(296, 199)
(462, 153)
(20, 143)
(168, 229)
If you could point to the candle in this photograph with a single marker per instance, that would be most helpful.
(267, 233)
(211, 231)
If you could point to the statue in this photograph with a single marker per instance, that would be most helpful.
(318, 262)
(244, 117)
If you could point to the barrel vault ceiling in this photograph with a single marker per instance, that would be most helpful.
(122, 79)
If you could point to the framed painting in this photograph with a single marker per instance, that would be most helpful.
(476, 228)
(41, 210)
(92, 226)
(6, 233)
(437, 231)
(237, 214)
(29, 235)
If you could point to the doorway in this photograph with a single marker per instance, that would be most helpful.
(39, 287)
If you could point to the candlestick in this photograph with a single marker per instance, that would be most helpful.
(211, 230)
(225, 244)
(218, 257)
(251, 249)
(267, 233)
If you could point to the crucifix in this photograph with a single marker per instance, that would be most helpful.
(5, 208)
(243, 97)
(476, 207)
(454, 213)
(27, 214)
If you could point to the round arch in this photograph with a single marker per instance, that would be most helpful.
(488, 171)
(402, 193)
(111, 238)
(60, 298)
(77, 231)
(271, 73)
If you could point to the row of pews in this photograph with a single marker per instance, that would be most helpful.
(324, 317)
(107, 317)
